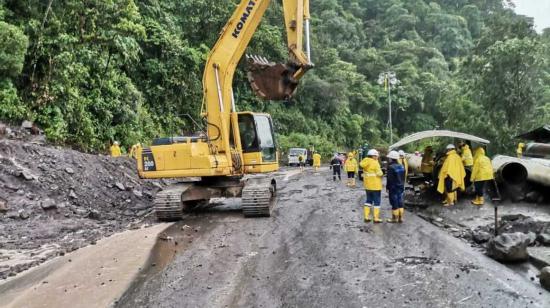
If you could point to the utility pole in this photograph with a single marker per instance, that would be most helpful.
(388, 80)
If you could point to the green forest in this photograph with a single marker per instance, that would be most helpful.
(92, 71)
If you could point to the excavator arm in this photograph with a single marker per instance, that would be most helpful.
(269, 80)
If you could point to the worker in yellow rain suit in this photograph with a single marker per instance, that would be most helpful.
(427, 166)
(403, 162)
(519, 150)
(451, 176)
(351, 169)
(115, 149)
(482, 172)
(133, 150)
(466, 155)
(302, 161)
(316, 161)
(372, 181)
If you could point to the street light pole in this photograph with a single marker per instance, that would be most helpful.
(389, 114)
(388, 79)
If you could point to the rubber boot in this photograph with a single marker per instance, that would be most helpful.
(353, 182)
(450, 199)
(394, 216)
(475, 201)
(455, 197)
(366, 211)
(478, 201)
(401, 212)
(377, 215)
(446, 201)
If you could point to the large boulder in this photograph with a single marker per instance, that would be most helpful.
(509, 247)
(545, 277)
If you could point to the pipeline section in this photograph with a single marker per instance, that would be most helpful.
(516, 171)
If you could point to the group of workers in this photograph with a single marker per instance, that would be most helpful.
(455, 168)
(451, 176)
(116, 151)
(372, 181)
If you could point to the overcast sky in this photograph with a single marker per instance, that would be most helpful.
(539, 9)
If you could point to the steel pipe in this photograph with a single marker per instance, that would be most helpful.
(415, 163)
(517, 171)
(537, 150)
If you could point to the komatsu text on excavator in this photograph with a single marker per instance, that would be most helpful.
(235, 144)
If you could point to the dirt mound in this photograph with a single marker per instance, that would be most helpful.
(55, 200)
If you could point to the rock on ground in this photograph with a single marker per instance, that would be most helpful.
(52, 195)
(509, 247)
(545, 278)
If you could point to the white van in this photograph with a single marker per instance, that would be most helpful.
(293, 154)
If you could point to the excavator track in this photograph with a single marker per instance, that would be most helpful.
(258, 199)
(168, 204)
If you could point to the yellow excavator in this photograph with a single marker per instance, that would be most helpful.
(234, 144)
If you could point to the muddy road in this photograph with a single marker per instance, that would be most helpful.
(315, 251)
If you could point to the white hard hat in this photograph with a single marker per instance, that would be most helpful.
(450, 147)
(116, 142)
(393, 155)
(401, 153)
(372, 152)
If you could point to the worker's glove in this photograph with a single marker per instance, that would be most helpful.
(330, 167)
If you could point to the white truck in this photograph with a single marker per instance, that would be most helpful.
(294, 153)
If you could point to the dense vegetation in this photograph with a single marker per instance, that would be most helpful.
(93, 71)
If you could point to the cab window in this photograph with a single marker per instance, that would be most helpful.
(247, 129)
(266, 138)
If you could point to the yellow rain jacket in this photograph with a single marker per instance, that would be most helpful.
(115, 150)
(405, 164)
(483, 169)
(467, 158)
(519, 150)
(453, 168)
(133, 150)
(351, 163)
(427, 165)
(372, 174)
(316, 160)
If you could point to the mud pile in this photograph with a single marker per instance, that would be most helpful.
(54, 200)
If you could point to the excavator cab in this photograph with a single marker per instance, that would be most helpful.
(270, 80)
(258, 142)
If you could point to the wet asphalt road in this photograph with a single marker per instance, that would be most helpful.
(315, 251)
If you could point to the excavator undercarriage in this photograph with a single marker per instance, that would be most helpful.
(257, 194)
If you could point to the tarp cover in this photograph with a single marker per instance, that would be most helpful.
(437, 133)
(541, 134)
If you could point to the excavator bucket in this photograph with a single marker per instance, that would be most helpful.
(269, 80)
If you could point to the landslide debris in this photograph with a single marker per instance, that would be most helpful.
(55, 200)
